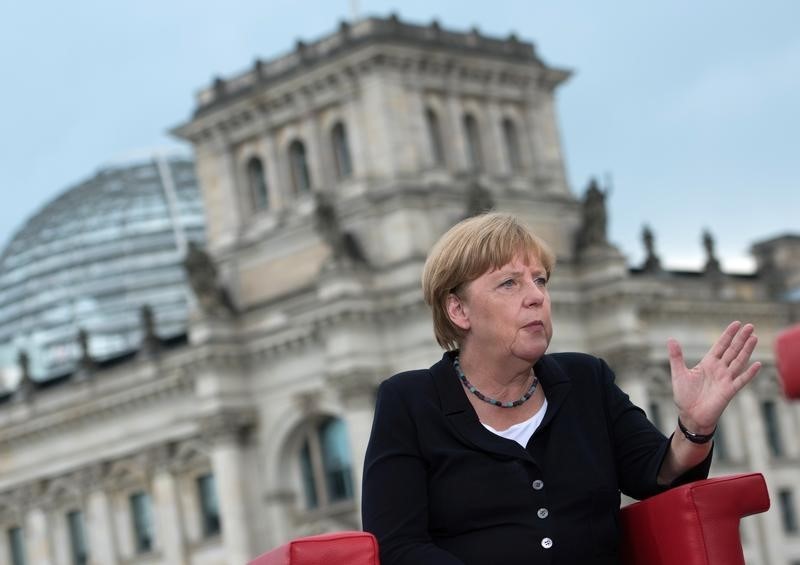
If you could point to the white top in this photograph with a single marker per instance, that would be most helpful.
(522, 431)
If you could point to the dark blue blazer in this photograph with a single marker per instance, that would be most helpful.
(440, 489)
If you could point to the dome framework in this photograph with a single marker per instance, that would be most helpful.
(92, 258)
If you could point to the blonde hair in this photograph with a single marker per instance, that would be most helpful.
(466, 251)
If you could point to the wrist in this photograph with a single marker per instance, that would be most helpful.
(698, 435)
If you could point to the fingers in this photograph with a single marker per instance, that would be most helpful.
(724, 341)
(676, 363)
(739, 341)
(740, 381)
(743, 357)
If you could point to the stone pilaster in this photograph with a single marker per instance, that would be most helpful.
(38, 538)
(356, 391)
(167, 511)
(224, 434)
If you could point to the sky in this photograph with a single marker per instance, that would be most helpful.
(689, 111)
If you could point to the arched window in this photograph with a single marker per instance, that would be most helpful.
(257, 184)
(435, 136)
(325, 464)
(473, 139)
(301, 179)
(341, 152)
(512, 144)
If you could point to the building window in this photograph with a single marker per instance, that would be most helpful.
(257, 184)
(142, 515)
(770, 414)
(435, 136)
(341, 152)
(788, 514)
(209, 505)
(473, 139)
(325, 464)
(512, 145)
(77, 538)
(16, 546)
(301, 179)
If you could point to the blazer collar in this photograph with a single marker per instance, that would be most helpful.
(457, 409)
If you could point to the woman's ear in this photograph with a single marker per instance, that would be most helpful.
(457, 311)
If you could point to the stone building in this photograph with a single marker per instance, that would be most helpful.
(326, 175)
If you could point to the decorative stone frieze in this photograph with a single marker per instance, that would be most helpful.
(227, 426)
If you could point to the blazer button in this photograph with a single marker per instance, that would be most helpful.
(537, 485)
(547, 543)
(542, 513)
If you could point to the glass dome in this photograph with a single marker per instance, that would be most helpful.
(91, 258)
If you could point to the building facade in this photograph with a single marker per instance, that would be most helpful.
(326, 176)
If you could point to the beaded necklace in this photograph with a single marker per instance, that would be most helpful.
(493, 401)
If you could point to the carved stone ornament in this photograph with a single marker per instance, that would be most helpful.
(26, 386)
(479, 199)
(227, 426)
(652, 263)
(712, 266)
(345, 247)
(356, 387)
(86, 365)
(594, 218)
(151, 344)
(212, 298)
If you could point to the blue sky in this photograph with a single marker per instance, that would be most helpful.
(691, 108)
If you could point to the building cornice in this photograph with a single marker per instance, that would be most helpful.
(318, 74)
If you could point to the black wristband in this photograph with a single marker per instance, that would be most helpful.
(696, 438)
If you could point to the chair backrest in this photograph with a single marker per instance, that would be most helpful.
(787, 357)
(338, 548)
(694, 524)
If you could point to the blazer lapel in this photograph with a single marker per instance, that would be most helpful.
(459, 412)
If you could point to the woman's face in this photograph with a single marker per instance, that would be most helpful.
(506, 312)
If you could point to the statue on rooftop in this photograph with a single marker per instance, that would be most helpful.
(651, 263)
(479, 199)
(592, 232)
(712, 265)
(345, 248)
(201, 271)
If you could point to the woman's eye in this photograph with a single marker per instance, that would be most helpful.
(507, 284)
(540, 281)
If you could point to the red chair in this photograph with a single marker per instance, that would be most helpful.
(694, 524)
(787, 356)
(338, 548)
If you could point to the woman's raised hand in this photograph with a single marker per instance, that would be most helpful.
(702, 392)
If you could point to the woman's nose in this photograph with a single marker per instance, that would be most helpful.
(534, 294)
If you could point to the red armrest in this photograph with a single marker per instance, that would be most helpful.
(694, 524)
(787, 356)
(338, 548)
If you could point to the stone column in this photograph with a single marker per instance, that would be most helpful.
(224, 433)
(217, 176)
(355, 134)
(100, 534)
(37, 536)
(416, 132)
(547, 144)
(453, 133)
(5, 548)
(497, 151)
(167, 512)
(356, 391)
(275, 184)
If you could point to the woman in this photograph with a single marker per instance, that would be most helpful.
(501, 454)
